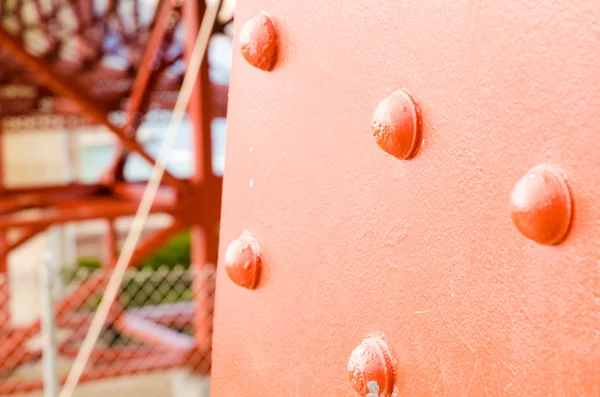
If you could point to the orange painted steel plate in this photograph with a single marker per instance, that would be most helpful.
(421, 252)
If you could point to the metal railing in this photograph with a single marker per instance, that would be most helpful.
(151, 327)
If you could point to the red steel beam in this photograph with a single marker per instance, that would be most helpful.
(84, 209)
(74, 190)
(63, 87)
(65, 107)
(165, 196)
(143, 79)
(199, 109)
(155, 240)
(146, 77)
(67, 191)
(12, 200)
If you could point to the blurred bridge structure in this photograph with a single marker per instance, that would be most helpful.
(115, 65)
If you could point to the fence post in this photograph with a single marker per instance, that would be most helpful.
(48, 275)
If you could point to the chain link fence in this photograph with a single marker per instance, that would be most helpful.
(162, 319)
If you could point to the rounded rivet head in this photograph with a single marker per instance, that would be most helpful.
(242, 260)
(540, 205)
(397, 125)
(371, 368)
(258, 42)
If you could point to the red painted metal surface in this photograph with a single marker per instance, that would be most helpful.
(423, 253)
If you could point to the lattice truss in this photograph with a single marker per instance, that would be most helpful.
(151, 327)
(87, 59)
(99, 42)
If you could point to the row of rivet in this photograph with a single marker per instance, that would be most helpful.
(540, 202)
(370, 367)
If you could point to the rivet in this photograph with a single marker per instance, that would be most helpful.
(397, 125)
(258, 42)
(371, 368)
(242, 260)
(540, 205)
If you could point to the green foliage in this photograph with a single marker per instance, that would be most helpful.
(175, 252)
(89, 262)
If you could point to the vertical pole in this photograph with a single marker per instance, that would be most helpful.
(202, 230)
(202, 180)
(199, 104)
(56, 232)
(55, 259)
(48, 329)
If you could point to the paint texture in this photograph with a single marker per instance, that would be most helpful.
(355, 242)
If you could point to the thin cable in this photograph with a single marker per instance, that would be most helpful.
(112, 289)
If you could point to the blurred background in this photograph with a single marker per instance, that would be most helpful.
(79, 81)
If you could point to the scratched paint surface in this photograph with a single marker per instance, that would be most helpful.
(355, 242)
